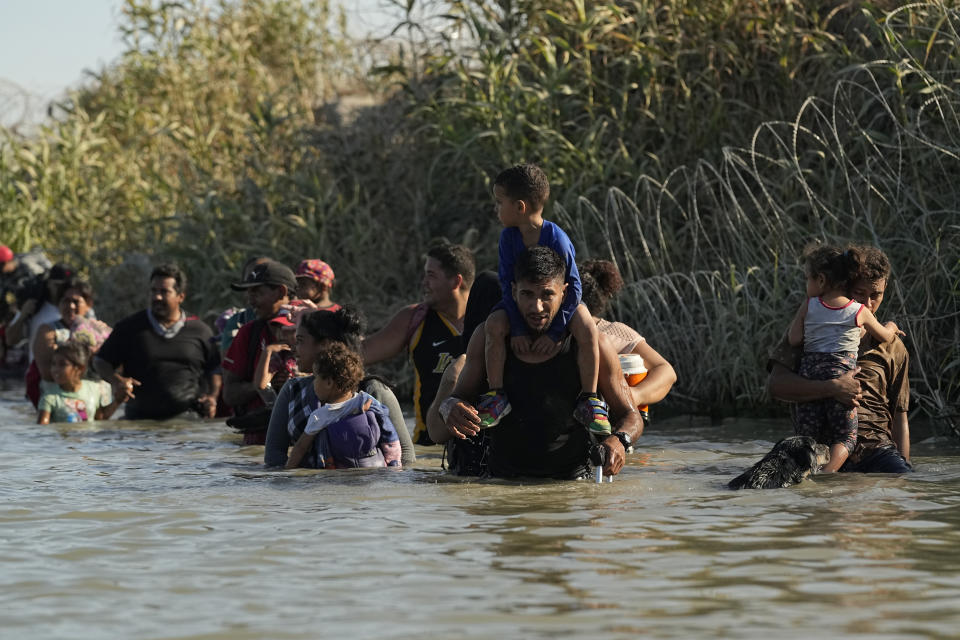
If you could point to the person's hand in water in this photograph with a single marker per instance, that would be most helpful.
(615, 455)
(462, 421)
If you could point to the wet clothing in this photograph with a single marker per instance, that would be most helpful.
(241, 360)
(433, 344)
(352, 434)
(882, 460)
(73, 406)
(540, 437)
(296, 402)
(831, 337)
(173, 372)
(510, 248)
(33, 379)
(827, 421)
(885, 386)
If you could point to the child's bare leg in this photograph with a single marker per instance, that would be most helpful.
(584, 331)
(838, 455)
(496, 330)
(591, 409)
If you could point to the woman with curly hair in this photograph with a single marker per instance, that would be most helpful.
(601, 281)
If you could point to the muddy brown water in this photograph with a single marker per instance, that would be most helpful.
(137, 530)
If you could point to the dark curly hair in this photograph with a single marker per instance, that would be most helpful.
(339, 364)
(876, 265)
(525, 182)
(841, 266)
(539, 264)
(600, 281)
(345, 325)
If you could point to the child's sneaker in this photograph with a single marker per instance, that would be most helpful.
(591, 412)
(492, 406)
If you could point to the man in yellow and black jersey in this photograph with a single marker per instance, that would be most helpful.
(430, 330)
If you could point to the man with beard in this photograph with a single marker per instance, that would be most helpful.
(160, 361)
(540, 436)
(429, 331)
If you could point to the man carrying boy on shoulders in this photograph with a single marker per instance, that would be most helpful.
(520, 193)
(540, 437)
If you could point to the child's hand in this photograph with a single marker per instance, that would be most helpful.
(521, 345)
(890, 324)
(544, 345)
(276, 347)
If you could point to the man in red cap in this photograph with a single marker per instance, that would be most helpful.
(314, 282)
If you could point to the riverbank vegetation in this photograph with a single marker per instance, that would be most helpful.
(700, 144)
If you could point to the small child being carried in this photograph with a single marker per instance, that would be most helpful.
(348, 429)
(277, 357)
(71, 398)
(829, 325)
(520, 193)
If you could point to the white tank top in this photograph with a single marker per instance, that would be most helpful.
(831, 329)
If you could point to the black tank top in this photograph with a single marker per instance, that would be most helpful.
(539, 437)
(434, 344)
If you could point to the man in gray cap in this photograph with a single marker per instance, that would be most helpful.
(268, 286)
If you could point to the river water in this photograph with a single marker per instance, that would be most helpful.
(128, 530)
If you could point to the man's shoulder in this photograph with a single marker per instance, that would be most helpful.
(243, 333)
(893, 353)
(198, 326)
(133, 322)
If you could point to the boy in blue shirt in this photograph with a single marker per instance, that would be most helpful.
(521, 193)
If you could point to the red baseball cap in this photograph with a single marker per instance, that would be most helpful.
(6, 255)
(283, 318)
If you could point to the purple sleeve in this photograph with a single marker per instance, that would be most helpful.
(555, 238)
(511, 243)
(389, 443)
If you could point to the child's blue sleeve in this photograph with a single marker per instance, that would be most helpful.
(560, 242)
(511, 243)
